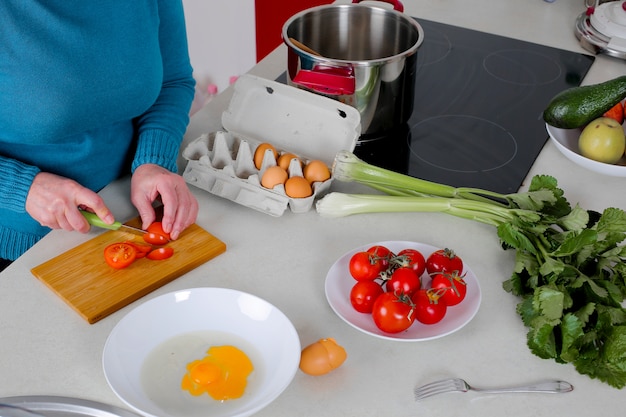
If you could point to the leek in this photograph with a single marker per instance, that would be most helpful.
(570, 266)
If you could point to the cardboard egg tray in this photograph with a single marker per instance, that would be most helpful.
(293, 120)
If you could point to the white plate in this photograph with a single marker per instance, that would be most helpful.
(339, 283)
(212, 316)
(566, 141)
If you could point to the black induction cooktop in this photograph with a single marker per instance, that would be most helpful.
(477, 118)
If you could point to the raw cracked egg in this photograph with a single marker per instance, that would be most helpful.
(222, 373)
(322, 357)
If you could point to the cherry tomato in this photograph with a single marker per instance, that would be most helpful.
(412, 258)
(141, 248)
(403, 280)
(120, 255)
(616, 112)
(365, 267)
(364, 294)
(443, 260)
(393, 313)
(382, 252)
(155, 239)
(157, 227)
(159, 254)
(453, 285)
(429, 308)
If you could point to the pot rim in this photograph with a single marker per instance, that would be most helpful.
(348, 62)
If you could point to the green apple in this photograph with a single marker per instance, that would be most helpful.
(603, 140)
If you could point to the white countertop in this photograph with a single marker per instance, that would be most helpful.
(48, 349)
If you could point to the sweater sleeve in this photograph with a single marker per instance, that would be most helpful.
(161, 128)
(17, 177)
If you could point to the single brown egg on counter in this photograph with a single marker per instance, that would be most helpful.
(321, 357)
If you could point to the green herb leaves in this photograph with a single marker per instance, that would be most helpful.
(573, 283)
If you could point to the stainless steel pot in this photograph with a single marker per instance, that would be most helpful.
(362, 55)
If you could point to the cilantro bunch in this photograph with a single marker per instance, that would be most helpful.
(571, 276)
(570, 270)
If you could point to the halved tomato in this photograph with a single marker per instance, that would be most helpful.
(159, 254)
(120, 255)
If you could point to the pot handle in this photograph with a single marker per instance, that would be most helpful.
(331, 81)
(397, 5)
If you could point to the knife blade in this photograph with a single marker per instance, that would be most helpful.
(94, 220)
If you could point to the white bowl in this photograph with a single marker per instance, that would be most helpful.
(145, 355)
(566, 141)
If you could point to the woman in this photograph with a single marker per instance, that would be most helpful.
(90, 91)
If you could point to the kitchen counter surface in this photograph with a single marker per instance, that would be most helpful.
(48, 349)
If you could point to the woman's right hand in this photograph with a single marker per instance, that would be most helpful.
(54, 202)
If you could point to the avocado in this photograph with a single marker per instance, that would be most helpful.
(577, 106)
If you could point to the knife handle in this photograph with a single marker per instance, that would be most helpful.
(94, 220)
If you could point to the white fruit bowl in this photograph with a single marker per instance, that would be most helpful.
(566, 141)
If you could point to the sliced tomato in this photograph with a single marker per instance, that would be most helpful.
(155, 239)
(141, 248)
(159, 254)
(120, 255)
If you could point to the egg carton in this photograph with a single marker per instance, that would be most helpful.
(293, 120)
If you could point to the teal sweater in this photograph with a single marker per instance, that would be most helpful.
(88, 90)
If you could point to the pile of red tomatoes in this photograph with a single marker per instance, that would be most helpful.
(390, 286)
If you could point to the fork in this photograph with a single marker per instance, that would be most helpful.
(9, 410)
(459, 385)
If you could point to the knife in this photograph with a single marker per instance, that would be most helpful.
(94, 220)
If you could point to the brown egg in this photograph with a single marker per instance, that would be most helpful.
(285, 159)
(322, 357)
(316, 171)
(273, 176)
(259, 153)
(298, 187)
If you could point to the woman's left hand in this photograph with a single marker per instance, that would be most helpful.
(180, 207)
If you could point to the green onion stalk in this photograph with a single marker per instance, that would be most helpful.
(404, 194)
(570, 265)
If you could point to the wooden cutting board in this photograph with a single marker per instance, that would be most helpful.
(83, 279)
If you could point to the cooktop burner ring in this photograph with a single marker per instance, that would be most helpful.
(481, 146)
(522, 67)
(438, 48)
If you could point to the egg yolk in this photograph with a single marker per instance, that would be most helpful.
(222, 373)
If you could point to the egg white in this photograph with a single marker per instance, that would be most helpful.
(164, 367)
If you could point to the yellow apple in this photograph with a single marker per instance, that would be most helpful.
(603, 140)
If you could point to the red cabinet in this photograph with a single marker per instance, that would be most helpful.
(270, 15)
